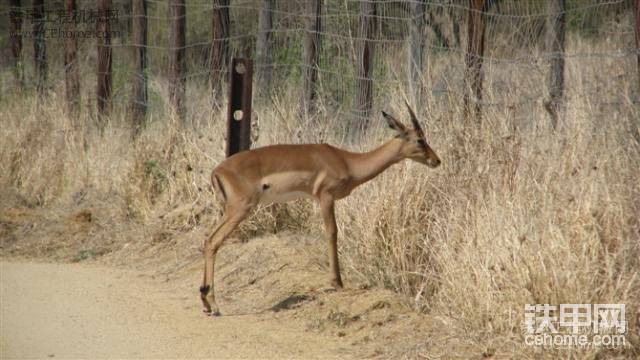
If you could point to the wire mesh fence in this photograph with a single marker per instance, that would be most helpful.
(430, 37)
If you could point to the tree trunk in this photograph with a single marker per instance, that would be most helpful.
(311, 56)
(442, 40)
(637, 27)
(104, 61)
(39, 47)
(264, 46)
(177, 64)
(416, 51)
(473, 57)
(456, 27)
(138, 108)
(555, 46)
(364, 70)
(71, 69)
(15, 37)
(219, 46)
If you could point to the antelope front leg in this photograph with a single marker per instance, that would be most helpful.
(331, 230)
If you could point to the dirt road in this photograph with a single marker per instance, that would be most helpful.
(80, 311)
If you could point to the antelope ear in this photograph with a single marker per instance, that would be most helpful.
(394, 123)
(414, 119)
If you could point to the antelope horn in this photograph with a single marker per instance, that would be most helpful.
(414, 119)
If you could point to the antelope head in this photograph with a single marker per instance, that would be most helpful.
(415, 146)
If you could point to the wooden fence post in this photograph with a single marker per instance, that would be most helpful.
(264, 46)
(71, 69)
(364, 70)
(39, 47)
(416, 51)
(311, 56)
(139, 85)
(104, 61)
(555, 47)
(219, 45)
(15, 37)
(473, 57)
(177, 65)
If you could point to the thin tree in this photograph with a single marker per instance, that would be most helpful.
(39, 47)
(637, 27)
(177, 65)
(441, 39)
(555, 29)
(15, 37)
(264, 45)
(139, 85)
(104, 60)
(456, 19)
(473, 57)
(416, 51)
(71, 69)
(311, 56)
(219, 45)
(364, 69)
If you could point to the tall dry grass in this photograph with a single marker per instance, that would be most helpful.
(518, 213)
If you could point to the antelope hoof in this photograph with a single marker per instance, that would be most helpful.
(337, 284)
(209, 312)
(206, 307)
(204, 296)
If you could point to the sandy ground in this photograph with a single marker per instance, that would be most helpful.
(80, 311)
(97, 290)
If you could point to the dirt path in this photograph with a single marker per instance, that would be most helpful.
(79, 311)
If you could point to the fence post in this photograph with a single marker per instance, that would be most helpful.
(139, 85)
(311, 55)
(39, 47)
(177, 65)
(239, 111)
(16, 40)
(104, 60)
(416, 51)
(555, 47)
(219, 45)
(364, 69)
(264, 46)
(473, 57)
(71, 70)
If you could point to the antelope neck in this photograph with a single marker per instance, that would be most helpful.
(365, 166)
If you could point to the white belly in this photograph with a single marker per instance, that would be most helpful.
(269, 197)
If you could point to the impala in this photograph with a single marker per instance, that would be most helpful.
(281, 173)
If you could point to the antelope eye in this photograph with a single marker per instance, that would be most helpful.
(421, 142)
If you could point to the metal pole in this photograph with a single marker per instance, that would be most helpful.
(239, 111)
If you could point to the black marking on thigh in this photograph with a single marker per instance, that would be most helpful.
(265, 187)
(224, 194)
(204, 289)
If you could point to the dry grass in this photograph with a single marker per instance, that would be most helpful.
(518, 213)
